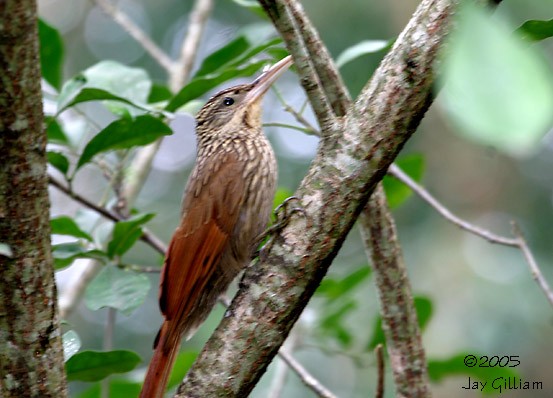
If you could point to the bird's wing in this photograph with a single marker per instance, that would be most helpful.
(211, 208)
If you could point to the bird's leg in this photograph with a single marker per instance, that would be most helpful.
(283, 214)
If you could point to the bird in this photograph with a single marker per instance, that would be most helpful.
(226, 207)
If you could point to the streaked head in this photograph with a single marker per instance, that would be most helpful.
(239, 104)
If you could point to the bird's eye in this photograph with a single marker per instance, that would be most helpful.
(228, 101)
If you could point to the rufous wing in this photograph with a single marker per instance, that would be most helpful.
(210, 211)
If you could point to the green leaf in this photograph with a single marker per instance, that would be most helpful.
(125, 133)
(51, 54)
(59, 161)
(108, 80)
(455, 365)
(65, 253)
(333, 289)
(498, 89)
(396, 191)
(94, 365)
(159, 93)
(362, 48)
(424, 308)
(126, 233)
(71, 344)
(182, 364)
(96, 94)
(64, 225)
(536, 30)
(54, 131)
(280, 196)
(377, 334)
(332, 324)
(277, 53)
(117, 388)
(256, 50)
(253, 6)
(201, 85)
(116, 288)
(218, 59)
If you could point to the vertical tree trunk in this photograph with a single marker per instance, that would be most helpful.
(31, 356)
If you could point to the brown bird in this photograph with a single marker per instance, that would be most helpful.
(226, 208)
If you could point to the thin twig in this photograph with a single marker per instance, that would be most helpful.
(300, 119)
(147, 236)
(309, 128)
(532, 264)
(281, 371)
(291, 127)
(380, 371)
(518, 242)
(306, 378)
(136, 33)
(396, 172)
(181, 69)
(84, 201)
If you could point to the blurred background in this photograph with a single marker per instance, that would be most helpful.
(484, 300)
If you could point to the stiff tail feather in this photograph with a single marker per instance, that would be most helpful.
(166, 346)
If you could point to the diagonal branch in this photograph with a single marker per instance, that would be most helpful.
(331, 81)
(147, 236)
(287, 26)
(344, 173)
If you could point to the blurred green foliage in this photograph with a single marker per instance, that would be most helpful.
(497, 91)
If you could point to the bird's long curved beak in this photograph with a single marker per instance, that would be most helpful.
(262, 84)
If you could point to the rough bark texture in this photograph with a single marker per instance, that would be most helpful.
(353, 156)
(31, 355)
(399, 318)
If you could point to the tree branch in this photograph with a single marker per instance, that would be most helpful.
(286, 24)
(344, 172)
(380, 368)
(147, 236)
(399, 317)
(331, 81)
(31, 351)
(518, 242)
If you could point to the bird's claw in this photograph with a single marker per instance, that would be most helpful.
(283, 215)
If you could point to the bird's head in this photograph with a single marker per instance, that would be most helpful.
(238, 106)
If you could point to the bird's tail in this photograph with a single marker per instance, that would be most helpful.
(166, 347)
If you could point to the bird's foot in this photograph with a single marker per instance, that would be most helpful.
(283, 213)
